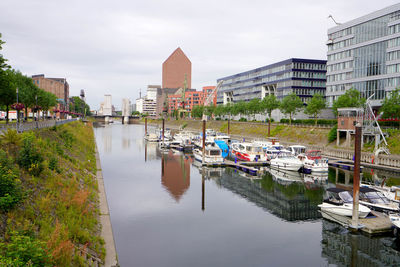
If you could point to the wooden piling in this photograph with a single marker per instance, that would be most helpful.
(229, 126)
(145, 125)
(356, 179)
(163, 125)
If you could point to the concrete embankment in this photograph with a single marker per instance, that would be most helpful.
(111, 258)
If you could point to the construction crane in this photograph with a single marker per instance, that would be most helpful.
(207, 102)
(331, 17)
(183, 98)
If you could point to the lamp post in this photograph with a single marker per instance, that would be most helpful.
(17, 112)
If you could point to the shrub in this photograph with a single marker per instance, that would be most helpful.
(23, 250)
(30, 158)
(10, 137)
(10, 186)
(53, 163)
(332, 134)
(242, 119)
(68, 138)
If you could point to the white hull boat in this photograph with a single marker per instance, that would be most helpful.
(286, 161)
(212, 155)
(248, 152)
(340, 202)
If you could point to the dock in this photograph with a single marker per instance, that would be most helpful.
(345, 165)
(376, 223)
(247, 167)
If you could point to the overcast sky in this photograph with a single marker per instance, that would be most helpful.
(117, 47)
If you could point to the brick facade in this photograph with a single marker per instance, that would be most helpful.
(174, 69)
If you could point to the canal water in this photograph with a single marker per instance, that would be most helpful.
(167, 211)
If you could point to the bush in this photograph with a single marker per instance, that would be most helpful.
(242, 119)
(10, 186)
(332, 134)
(68, 138)
(23, 250)
(311, 121)
(30, 158)
(53, 163)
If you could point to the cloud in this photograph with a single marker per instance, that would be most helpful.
(118, 47)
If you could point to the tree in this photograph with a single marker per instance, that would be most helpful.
(27, 90)
(46, 100)
(7, 86)
(269, 103)
(254, 106)
(314, 107)
(219, 110)
(349, 99)
(79, 106)
(197, 111)
(290, 105)
(8, 95)
(391, 105)
(239, 108)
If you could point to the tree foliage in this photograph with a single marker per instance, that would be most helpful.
(79, 106)
(351, 98)
(391, 105)
(290, 105)
(314, 107)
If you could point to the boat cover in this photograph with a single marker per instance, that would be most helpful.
(223, 146)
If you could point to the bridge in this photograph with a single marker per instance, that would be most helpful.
(107, 115)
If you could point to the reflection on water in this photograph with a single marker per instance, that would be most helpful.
(345, 249)
(281, 193)
(175, 173)
(225, 218)
(126, 137)
(107, 139)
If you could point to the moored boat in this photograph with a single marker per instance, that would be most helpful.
(375, 200)
(286, 161)
(340, 202)
(313, 162)
(212, 154)
(248, 152)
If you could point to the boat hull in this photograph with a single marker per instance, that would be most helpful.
(344, 210)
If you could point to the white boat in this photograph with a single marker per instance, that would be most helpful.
(210, 132)
(151, 137)
(271, 153)
(297, 149)
(340, 202)
(212, 155)
(222, 137)
(392, 193)
(313, 162)
(286, 161)
(248, 152)
(183, 141)
(375, 200)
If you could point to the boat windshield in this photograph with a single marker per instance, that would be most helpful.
(285, 155)
(346, 197)
(299, 149)
(376, 198)
(215, 152)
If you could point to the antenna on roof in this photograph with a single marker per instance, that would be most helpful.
(337, 23)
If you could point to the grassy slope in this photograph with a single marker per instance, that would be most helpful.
(60, 208)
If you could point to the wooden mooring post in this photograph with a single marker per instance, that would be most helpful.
(356, 179)
(145, 125)
(229, 126)
(163, 127)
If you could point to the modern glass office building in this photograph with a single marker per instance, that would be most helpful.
(365, 54)
(305, 77)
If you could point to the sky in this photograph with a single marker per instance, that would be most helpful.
(118, 47)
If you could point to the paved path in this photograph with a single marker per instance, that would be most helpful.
(106, 229)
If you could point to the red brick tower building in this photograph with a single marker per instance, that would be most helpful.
(174, 70)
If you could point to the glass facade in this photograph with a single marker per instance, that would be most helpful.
(305, 77)
(365, 54)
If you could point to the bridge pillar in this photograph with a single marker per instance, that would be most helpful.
(107, 119)
(125, 120)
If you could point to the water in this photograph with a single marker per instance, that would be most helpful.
(165, 211)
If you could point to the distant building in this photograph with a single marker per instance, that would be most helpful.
(139, 105)
(57, 86)
(305, 77)
(175, 69)
(364, 54)
(192, 98)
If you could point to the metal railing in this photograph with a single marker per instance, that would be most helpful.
(28, 126)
